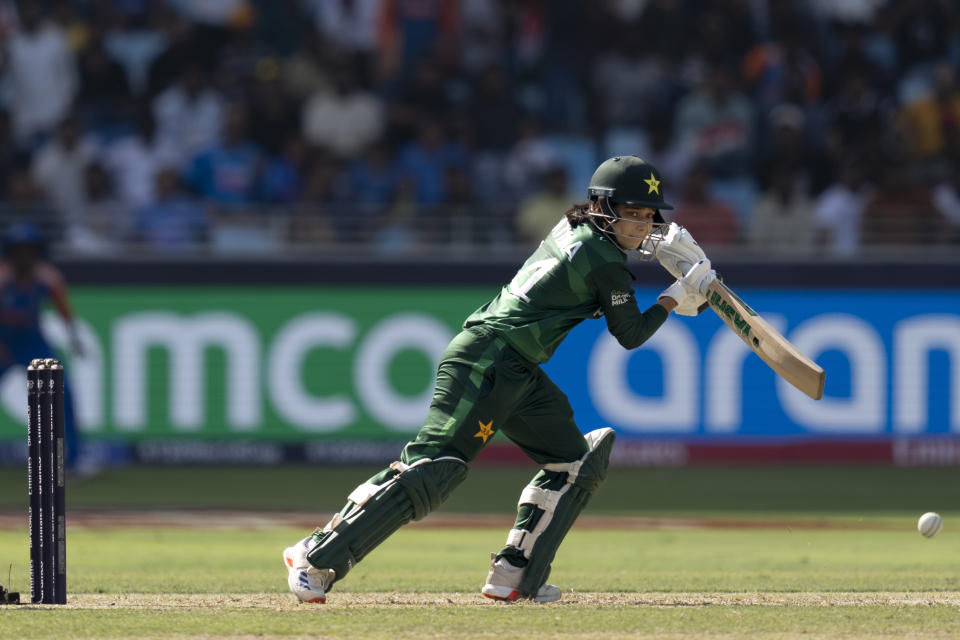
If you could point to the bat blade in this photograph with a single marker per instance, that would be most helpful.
(765, 341)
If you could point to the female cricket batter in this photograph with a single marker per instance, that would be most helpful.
(489, 379)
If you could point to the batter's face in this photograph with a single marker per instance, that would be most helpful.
(633, 224)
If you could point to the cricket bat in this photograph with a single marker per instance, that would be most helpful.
(765, 341)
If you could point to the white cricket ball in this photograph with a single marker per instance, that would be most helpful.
(930, 524)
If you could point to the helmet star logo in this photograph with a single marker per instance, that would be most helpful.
(654, 184)
(486, 430)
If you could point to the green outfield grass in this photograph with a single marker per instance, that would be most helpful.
(184, 561)
(751, 583)
(794, 552)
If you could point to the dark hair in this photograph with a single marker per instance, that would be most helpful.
(577, 214)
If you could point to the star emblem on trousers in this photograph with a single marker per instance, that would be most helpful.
(486, 430)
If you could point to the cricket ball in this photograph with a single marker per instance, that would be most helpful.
(930, 524)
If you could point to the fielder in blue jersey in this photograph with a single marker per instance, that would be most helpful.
(27, 282)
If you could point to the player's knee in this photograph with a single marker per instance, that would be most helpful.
(430, 482)
(425, 483)
(587, 473)
(593, 471)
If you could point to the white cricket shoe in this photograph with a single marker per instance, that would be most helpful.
(306, 582)
(503, 583)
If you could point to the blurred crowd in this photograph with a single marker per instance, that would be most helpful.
(792, 127)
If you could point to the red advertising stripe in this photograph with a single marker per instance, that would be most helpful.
(644, 453)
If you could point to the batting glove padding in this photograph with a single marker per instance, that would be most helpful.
(690, 291)
(677, 251)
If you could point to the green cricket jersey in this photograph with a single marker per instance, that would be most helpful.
(575, 274)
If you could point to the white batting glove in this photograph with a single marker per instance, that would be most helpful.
(691, 306)
(676, 251)
(689, 292)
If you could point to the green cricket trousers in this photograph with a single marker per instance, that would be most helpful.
(485, 386)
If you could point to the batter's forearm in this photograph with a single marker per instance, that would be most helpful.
(632, 330)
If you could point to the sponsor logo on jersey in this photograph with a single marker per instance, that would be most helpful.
(619, 297)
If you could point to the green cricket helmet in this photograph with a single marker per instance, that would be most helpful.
(629, 180)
